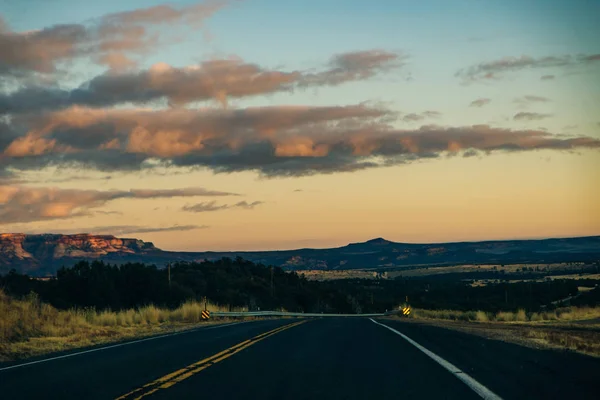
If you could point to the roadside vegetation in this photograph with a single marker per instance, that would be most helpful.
(567, 328)
(30, 327)
(564, 314)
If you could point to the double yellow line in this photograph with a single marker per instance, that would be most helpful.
(174, 377)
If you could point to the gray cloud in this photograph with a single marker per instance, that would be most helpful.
(246, 205)
(26, 204)
(470, 153)
(211, 80)
(530, 116)
(497, 68)
(108, 212)
(128, 230)
(547, 77)
(213, 206)
(531, 99)
(354, 66)
(432, 114)
(524, 102)
(118, 230)
(415, 117)
(64, 179)
(110, 40)
(480, 102)
(273, 141)
(7, 176)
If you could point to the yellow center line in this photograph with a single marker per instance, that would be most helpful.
(177, 376)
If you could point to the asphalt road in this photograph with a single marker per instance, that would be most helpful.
(328, 358)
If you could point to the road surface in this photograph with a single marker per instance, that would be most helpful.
(327, 358)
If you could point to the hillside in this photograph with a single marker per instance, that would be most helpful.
(41, 255)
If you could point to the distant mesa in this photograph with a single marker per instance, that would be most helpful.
(378, 241)
(43, 255)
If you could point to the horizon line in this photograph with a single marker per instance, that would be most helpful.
(313, 248)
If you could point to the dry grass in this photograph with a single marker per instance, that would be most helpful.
(566, 314)
(586, 341)
(572, 328)
(29, 327)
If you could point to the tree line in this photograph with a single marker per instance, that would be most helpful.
(241, 283)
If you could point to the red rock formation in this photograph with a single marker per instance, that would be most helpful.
(35, 249)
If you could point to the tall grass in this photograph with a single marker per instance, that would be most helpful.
(560, 314)
(28, 318)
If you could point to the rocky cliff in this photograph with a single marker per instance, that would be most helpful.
(27, 252)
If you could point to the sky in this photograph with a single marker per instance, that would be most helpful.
(263, 124)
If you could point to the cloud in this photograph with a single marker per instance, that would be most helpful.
(432, 114)
(128, 230)
(273, 141)
(492, 70)
(213, 206)
(530, 116)
(247, 206)
(217, 80)
(415, 117)
(547, 77)
(64, 179)
(26, 204)
(524, 102)
(7, 176)
(137, 134)
(480, 102)
(470, 153)
(532, 99)
(354, 66)
(110, 39)
(118, 230)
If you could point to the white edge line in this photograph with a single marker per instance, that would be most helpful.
(203, 328)
(463, 376)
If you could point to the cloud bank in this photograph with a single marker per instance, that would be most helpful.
(27, 204)
(210, 80)
(273, 141)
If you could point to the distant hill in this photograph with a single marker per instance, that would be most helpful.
(42, 255)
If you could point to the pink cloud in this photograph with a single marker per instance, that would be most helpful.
(109, 40)
(20, 204)
(271, 140)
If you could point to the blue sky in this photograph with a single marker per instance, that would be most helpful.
(445, 48)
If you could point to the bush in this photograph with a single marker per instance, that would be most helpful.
(482, 316)
(521, 316)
